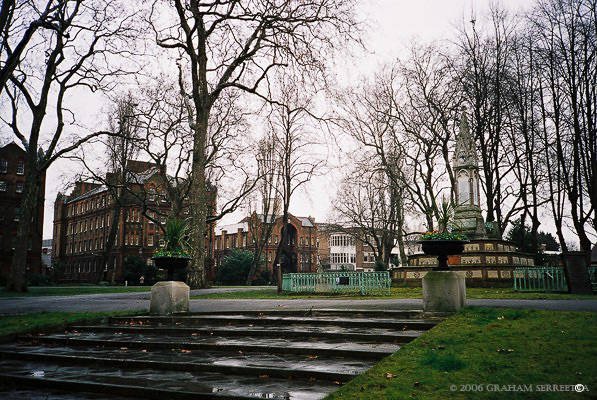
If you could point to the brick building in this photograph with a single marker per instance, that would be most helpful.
(299, 254)
(339, 250)
(12, 183)
(82, 222)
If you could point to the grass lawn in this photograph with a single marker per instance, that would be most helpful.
(71, 290)
(396, 292)
(482, 346)
(19, 324)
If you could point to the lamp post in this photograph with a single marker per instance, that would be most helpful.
(279, 277)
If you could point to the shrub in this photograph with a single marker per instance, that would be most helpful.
(39, 280)
(234, 267)
(134, 268)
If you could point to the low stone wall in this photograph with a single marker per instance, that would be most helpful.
(475, 276)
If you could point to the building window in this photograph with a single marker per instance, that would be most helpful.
(3, 166)
(17, 216)
(19, 188)
(150, 240)
(3, 186)
(20, 168)
(162, 243)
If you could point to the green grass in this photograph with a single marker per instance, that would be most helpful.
(27, 323)
(72, 290)
(396, 292)
(482, 346)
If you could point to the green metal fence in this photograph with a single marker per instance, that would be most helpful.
(338, 282)
(593, 276)
(540, 279)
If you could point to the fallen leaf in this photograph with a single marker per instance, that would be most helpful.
(264, 376)
(505, 350)
(337, 383)
(312, 357)
(390, 375)
(185, 351)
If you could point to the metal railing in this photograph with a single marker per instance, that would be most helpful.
(540, 279)
(593, 277)
(338, 282)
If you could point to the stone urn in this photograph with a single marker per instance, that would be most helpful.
(444, 291)
(171, 264)
(170, 296)
(442, 249)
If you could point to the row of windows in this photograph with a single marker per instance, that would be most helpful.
(368, 257)
(18, 187)
(304, 257)
(87, 205)
(230, 241)
(95, 223)
(341, 240)
(88, 224)
(132, 239)
(20, 167)
(342, 258)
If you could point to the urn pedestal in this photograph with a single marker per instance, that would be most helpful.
(444, 291)
(168, 297)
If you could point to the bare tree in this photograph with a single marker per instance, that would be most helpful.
(231, 45)
(267, 205)
(297, 162)
(484, 63)
(78, 52)
(368, 113)
(427, 111)
(367, 208)
(19, 23)
(566, 44)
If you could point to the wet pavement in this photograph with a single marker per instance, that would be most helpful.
(211, 355)
(140, 301)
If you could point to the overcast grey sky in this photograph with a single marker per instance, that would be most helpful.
(392, 26)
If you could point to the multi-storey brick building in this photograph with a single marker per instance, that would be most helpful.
(12, 183)
(82, 222)
(299, 254)
(339, 250)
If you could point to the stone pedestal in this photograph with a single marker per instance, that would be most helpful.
(443, 291)
(168, 297)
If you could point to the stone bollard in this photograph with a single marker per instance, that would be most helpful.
(169, 297)
(443, 291)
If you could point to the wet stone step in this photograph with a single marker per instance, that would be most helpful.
(397, 324)
(362, 334)
(328, 312)
(345, 350)
(236, 386)
(19, 394)
(308, 363)
(125, 361)
(306, 342)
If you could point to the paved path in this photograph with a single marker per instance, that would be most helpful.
(91, 302)
(140, 301)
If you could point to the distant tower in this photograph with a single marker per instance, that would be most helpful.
(465, 164)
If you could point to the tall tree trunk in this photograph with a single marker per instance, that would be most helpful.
(200, 204)
(17, 278)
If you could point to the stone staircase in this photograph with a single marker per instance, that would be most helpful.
(282, 354)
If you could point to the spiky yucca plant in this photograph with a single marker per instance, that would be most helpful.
(175, 236)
